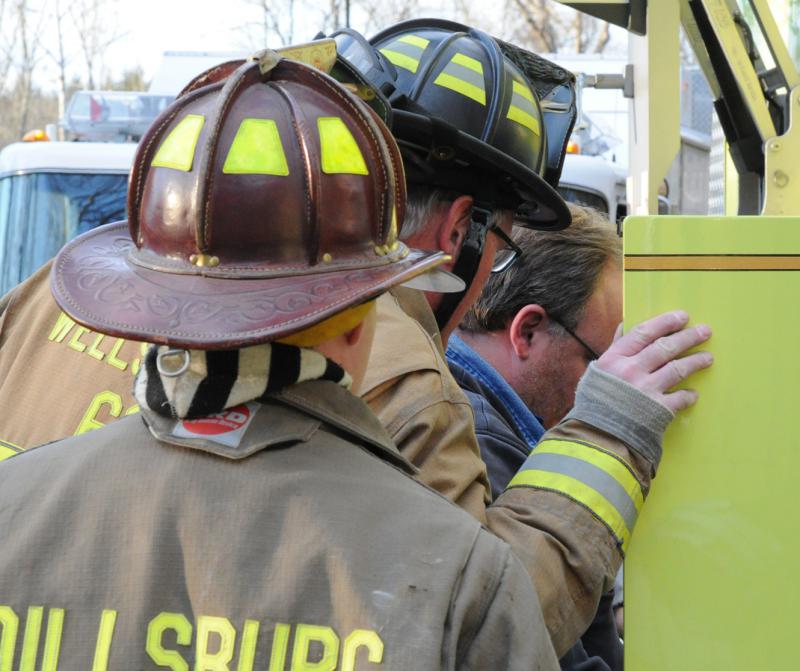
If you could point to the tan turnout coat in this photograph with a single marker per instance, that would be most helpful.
(84, 381)
(571, 555)
(308, 543)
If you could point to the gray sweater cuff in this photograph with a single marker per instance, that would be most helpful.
(620, 409)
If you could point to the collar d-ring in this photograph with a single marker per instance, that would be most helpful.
(162, 368)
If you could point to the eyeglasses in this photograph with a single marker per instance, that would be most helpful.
(593, 354)
(504, 258)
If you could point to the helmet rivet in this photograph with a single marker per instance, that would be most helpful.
(203, 260)
(326, 258)
(443, 153)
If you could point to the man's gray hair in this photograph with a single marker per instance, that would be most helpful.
(557, 270)
(425, 202)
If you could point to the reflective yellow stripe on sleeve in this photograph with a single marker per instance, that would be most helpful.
(8, 449)
(177, 149)
(597, 479)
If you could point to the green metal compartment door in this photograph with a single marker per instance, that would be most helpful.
(711, 575)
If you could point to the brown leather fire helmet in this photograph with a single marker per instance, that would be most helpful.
(258, 206)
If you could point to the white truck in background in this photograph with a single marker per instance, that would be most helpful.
(51, 190)
(595, 182)
(73, 176)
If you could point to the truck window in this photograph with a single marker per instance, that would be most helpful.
(40, 212)
(584, 198)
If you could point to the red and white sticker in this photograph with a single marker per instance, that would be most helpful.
(226, 428)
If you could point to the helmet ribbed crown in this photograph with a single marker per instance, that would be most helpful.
(265, 173)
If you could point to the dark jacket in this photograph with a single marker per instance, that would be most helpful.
(507, 432)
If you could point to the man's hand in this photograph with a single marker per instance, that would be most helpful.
(649, 358)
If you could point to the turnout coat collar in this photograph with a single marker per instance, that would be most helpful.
(295, 414)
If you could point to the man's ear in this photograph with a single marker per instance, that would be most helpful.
(454, 225)
(354, 334)
(529, 322)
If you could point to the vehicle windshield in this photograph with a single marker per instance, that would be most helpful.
(40, 212)
(585, 198)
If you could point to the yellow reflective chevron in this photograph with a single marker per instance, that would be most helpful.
(599, 480)
(339, 149)
(523, 108)
(177, 149)
(256, 150)
(464, 75)
(406, 51)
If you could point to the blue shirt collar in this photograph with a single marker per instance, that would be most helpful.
(526, 423)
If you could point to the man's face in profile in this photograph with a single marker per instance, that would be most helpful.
(550, 378)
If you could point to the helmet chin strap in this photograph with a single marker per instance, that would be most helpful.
(466, 266)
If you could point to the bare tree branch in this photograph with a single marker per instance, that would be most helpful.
(544, 26)
(275, 23)
(29, 31)
(541, 25)
(97, 31)
(8, 41)
(603, 38)
(58, 54)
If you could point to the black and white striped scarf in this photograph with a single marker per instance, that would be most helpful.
(211, 381)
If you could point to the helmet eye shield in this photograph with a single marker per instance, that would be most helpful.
(365, 71)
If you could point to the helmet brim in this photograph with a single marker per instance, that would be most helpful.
(535, 203)
(95, 282)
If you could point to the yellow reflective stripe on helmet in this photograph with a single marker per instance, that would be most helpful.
(521, 89)
(401, 60)
(177, 149)
(406, 51)
(600, 480)
(414, 40)
(340, 152)
(256, 150)
(8, 449)
(523, 108)
(468, 62)
(464, 75)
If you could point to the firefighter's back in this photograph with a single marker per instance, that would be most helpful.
(304, 543)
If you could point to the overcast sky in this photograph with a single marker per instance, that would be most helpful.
(154, 26)
(151, 27)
